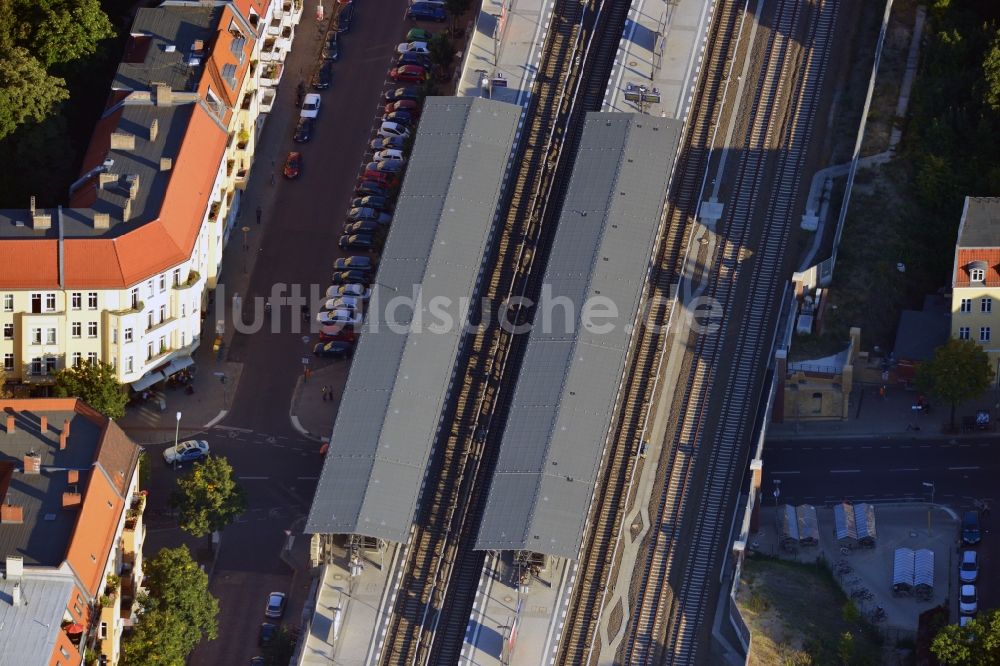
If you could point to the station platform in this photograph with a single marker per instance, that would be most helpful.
(514, 623)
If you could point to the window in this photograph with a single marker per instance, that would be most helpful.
(91, 329)
(50, 302)
(8, 331)
(183, 310)
(63, 652)
(36, 365)
(50, 365)
(177, 277)
(76, 327)
(8, 302)
(91, 300)
(966, 305)
(76, 300)
(163, 313)
(986, 305)
(128, 335)
(102, 631)
(183, 339)
(50, 336)
(963, 333)
(36, 336)
(36, 303)
(149, 350)
(163, 283)
(149, 319)
(984, 334)
(163, 343)
(92, 358)
(8, 362)
(128, 364)
(149, 288)
(114, 336)
(76, 359)
(134, 295)
(977, 274)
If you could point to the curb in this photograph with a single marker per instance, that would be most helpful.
(295, 419)
(218, 417)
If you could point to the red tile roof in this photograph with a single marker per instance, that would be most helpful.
(965, 257)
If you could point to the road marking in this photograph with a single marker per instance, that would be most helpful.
(220, 427)
(845, 471)
(253, 478)
(307, 478)
(956, 469)
(905, 469)
(795, 471)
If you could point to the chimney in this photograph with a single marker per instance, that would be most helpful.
(43, 424)
(63, 436)
(154, 127)
(11, 514)
(132, 180)
(11, 428)
(15, 594)
(71, 500)
(102, 220)
(15, 566)
(164, 95)
(127, 210)
(166, 164)
(41, 221)
(106, 178)
(72, 476)
(122, 141)
(32, 463)
(66, 427)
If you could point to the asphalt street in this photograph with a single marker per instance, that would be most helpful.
(277, 466)
(827, 471)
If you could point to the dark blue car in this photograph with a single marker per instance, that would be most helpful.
(426, 11)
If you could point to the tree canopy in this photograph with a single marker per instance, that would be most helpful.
(975, 644)
(959, 371)
(208, 498)
(96, 384)
(177, 612)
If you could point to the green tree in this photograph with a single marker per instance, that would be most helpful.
(281, 648)
(959, 371)
(991, 72)
(27, 91)
(69, 30)
(846, 648)
(177, 612)
(442, 51)
(96, 384)
(4, 392)
(208, 498)
(975, 644)
(455, 9)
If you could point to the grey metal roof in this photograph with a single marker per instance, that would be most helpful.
(43, 537)
(28, 632)
(980, 223)
(402, 369)
(562, 406)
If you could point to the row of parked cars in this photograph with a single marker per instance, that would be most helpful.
(968, 568)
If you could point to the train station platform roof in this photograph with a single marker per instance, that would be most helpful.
(564, 401)
(402, 369)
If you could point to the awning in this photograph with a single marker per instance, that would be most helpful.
(147, 380)
(177, 365)
(74, 628)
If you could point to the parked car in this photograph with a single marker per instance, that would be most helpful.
(355, 242)
(350, 277)
(425, 11)
(303, 130)
(383, 142)
(324, 76)
(331, 50)
(336, 333)
(275, 605)
(372, 201)
(419, 35)
(266, 633)
(971, 534)
(370, 188)
(188, 451)
(369, 227)
(411, 106)
(405, 92)
(389, 154)
(408, 74)
(412, 58)
(310, 106)
(384, 178)
(365, 213)
(336, 349)
(293, 165)
(345, 17)
(385, 166)
(358, 291)
(344, 302)
(413, 47)
(393, 129)
(968, 601)
(404, 118)
(968, 570)
(339, 317)
(354, 263)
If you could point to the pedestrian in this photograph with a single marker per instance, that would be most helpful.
(881, 392)
(324, 394)
(259, 212)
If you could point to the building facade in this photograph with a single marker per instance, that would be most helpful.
(975, 301)
(71, 532)
(121, 274)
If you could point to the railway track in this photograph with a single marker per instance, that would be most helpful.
(440, 572)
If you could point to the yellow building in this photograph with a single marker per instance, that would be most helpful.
(975, 282)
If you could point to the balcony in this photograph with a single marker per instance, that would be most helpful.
(109, 604)
(213, 211)
(247, 100)
(274, 27)
(192, 280)
(270, 76)
(267, 97)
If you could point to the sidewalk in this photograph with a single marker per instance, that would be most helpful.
(875, 417)
(310, 414)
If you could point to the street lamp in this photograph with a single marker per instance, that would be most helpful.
(929, 484)
(177, 432)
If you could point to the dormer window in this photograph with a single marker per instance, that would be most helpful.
(977, 271)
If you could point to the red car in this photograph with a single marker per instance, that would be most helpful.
(409, 105)
(337, 334)
(383, 178)
(293, 165)
(409, 74)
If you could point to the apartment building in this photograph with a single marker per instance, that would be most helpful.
(71, 533)
(975, 300)
(121, 274)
